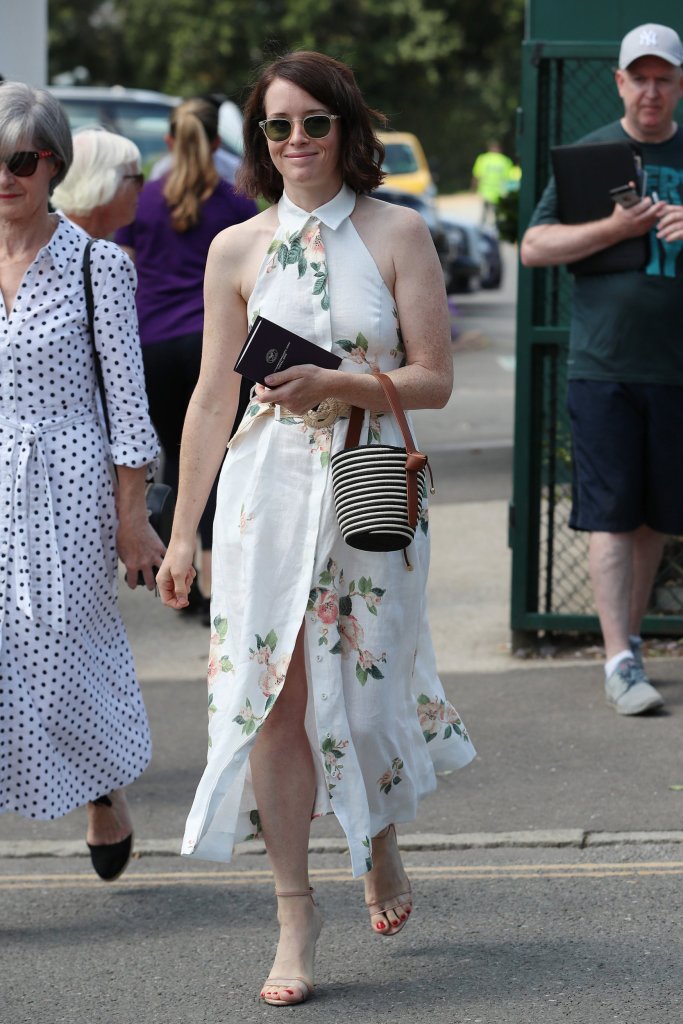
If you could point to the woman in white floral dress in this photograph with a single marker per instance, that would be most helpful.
(323, 692)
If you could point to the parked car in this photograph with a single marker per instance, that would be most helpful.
(426, 207)
(405, 164)
(475, 260)
(138, 114)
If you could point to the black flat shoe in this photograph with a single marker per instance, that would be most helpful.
(110, 859)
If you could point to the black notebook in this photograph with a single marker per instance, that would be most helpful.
(584, 174)
(270, 348)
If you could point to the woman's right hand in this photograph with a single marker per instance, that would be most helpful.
(176, 575)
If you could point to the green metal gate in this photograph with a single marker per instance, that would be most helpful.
(567, 90)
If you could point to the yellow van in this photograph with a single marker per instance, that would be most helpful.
(405, 164)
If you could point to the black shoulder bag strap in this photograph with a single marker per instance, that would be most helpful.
(90, 307)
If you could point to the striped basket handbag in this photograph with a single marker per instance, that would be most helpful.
(378, 487)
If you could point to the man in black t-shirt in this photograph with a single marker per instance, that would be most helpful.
(625, 392)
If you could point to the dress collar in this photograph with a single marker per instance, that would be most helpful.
(331, 214)
(60, 244)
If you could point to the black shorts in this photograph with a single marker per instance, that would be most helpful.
(627, 456)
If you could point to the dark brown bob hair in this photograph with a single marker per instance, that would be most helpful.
(333, 84)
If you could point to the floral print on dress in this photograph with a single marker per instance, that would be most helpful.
(218, 662)
(330, 606)
(245, 519)
(273, 678)
(391, 777)
(271, 681)
(357, 351)
(368, 860)
(437, 715)
(333, 751)
(304, 248)
(255, 820)
(423, 518)
(320, 441)
(249, 721)
(319, 438)
(399, 349)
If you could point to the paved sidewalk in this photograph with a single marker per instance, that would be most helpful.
(556, 766)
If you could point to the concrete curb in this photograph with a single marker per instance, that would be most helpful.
(576, 838)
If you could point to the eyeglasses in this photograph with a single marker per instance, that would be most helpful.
(316, 126)
(138, 179)
(24, 163)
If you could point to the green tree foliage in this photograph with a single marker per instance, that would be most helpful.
(446, 69)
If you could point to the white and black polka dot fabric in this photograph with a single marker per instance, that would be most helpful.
(72, 722)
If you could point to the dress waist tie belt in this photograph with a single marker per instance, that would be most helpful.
(35, 550)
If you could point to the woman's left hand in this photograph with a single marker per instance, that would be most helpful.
(139, 548)
(298, 389)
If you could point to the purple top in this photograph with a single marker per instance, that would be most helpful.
(170, 263)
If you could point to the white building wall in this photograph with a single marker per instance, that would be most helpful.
(23, 41)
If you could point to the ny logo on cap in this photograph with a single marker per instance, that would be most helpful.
(647, 37)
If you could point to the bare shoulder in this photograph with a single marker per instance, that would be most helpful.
(397, 223)
(238, 239)
(237, 252)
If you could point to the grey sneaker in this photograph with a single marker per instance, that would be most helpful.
(629, 691)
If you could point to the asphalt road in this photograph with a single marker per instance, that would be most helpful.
(505, 938)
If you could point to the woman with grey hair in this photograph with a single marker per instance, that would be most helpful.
(73, 727)
(100, 191)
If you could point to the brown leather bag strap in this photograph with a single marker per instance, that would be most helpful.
(357, 414)
(355, 425)
(415, 460)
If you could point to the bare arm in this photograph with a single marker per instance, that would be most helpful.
(426, 381)
(547, 245)
(210, 414)
(138, 546)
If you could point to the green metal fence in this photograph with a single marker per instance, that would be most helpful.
(567, 90)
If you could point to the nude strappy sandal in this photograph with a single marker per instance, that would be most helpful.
(303, 987)
(400, 903)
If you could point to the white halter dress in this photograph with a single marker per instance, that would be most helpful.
(377, 718)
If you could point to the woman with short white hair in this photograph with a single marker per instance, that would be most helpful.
(100, 191)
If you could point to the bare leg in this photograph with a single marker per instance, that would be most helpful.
(622, 568)
(647, 554)
(610, 561)
(107, 825)
(387, 879)
(283, 775)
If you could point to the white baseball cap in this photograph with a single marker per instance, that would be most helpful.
(651, 41)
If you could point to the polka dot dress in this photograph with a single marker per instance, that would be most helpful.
(72, 722)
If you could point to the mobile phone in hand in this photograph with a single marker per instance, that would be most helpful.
(625, 195)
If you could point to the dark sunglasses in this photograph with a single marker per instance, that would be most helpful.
(138, 179)
(316, 126)
(24, 163)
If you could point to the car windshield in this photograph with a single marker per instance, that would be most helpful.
(398, 158)
(144, 123)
